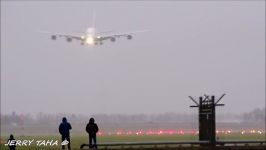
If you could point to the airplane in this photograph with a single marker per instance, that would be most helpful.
(91, 37)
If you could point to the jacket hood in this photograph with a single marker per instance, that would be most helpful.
(91, 120)
(64, 120)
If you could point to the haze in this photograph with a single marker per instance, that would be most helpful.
(192, 48)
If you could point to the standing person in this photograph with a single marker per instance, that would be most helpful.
(13, 146)
(64, 128)
(92, 129)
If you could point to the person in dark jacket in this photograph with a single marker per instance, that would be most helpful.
(92, 129)
(64, 128)
(11, 138)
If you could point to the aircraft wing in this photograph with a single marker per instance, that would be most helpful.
(113, 36)
(67, 36)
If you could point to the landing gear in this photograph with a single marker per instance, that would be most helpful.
(98, 43)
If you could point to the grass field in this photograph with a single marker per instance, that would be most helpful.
(77, 140)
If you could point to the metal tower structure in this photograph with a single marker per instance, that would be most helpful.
(207, 123)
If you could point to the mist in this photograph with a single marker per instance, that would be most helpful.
(191, 49)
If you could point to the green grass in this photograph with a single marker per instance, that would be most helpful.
(77, 140)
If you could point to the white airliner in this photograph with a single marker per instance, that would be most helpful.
(91, 37)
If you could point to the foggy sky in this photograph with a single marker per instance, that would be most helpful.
(192, 48)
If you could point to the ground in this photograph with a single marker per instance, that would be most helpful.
(77, 140)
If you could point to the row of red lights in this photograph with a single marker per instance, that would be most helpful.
(175, 132)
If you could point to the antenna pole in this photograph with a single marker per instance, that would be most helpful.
(194, 100)
(219, 99)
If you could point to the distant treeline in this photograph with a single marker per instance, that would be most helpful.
(257, 115)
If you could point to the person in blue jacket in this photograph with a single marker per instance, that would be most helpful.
(64, 128)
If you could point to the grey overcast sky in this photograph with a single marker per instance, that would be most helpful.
(192, 48)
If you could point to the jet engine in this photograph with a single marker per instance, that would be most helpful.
(129, 37)
(69, 39)
(112, 39)
(53, 37)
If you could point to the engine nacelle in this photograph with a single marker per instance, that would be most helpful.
(129, 37)
(53, 37)
(112, 39)
(69, 39)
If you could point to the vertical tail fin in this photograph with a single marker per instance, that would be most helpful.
(91, 30)
(93, 19)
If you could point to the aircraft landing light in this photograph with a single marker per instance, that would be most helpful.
(90, 40)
